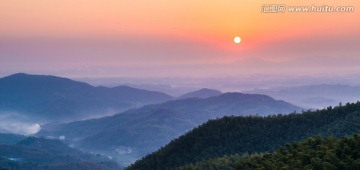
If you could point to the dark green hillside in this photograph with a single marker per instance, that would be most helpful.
(236, 135)
(312, 153)
(224, 163)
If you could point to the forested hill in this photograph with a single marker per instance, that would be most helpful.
(237, 135)
(312, 153)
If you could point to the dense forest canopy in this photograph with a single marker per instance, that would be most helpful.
(312, 153)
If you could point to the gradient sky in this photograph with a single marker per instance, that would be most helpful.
(95, 38)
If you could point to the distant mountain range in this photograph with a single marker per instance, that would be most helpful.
(136, 132)
(49, 154)
(127, 123)
(251, 134)
(313, 96)
(50, 98)
(202, 93)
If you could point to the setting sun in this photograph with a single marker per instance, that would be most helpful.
(237, 40)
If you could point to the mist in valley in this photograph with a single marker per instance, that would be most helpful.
(12, 122)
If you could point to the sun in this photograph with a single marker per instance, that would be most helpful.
(237, 40)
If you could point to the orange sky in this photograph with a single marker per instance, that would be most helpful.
(201, 31)
(161, 17)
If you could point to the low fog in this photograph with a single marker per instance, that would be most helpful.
(12, 122)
